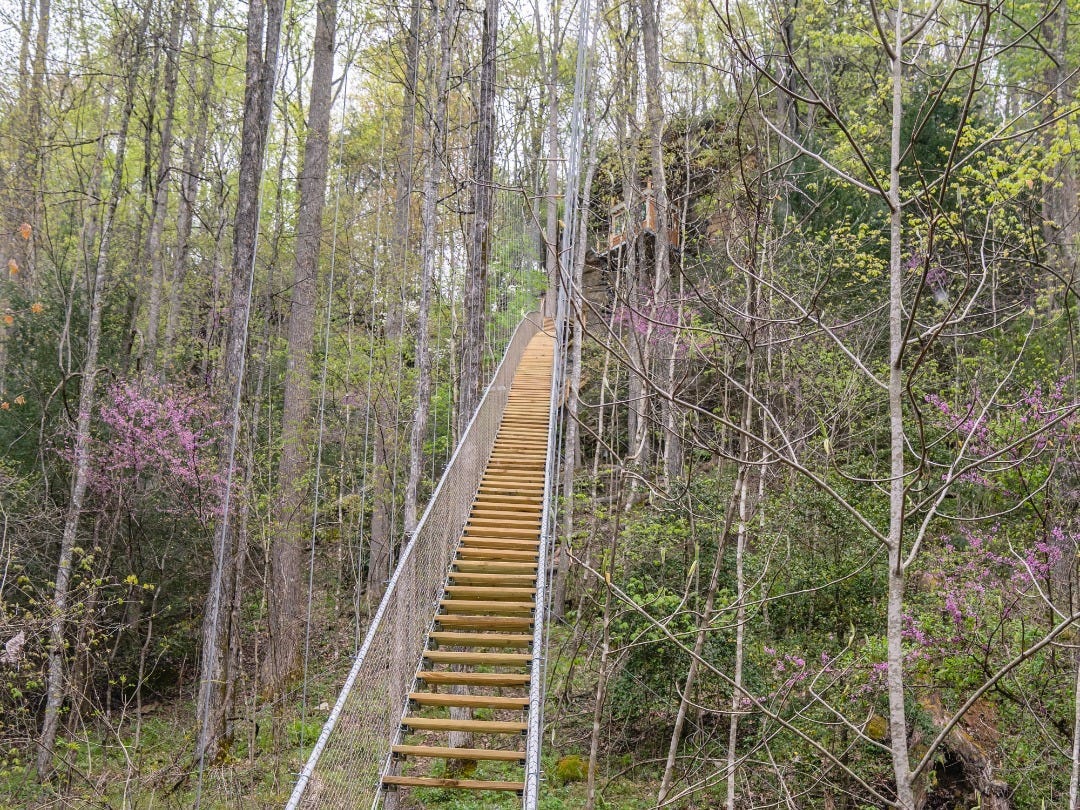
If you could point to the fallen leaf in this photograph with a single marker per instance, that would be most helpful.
(8, 320)
(13, 266)
(25, 230)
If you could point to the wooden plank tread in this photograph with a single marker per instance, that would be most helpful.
(496, 554)
(510, 580)
(481, 592)
(464, 784)
(473, 622)
(478, 658)
(497, 755)
(518, 543)
(494, 566)
(485, 606)
(475, 726)
(474, 678)
(469, 701)
(451, 639)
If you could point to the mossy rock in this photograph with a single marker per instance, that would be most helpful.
(571, 768)
(877, 728)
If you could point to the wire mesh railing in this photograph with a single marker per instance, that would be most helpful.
(344, 768)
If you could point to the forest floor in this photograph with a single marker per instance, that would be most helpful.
(146, 765)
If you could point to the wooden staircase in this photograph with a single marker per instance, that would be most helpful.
(479, 652)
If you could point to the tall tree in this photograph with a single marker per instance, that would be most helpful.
(154, 252)
(291, 508)
(194, 160)
(80, 476)
(476, 279)
(446, 24)
(387, 405)
(213, 709)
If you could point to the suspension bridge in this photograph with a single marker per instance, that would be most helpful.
(460, 628)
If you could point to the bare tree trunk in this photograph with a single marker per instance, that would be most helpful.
(219, 631)
(160, 204)
(704, 623)
(24, 201)
(193, 165)
(1074, 775)
(740, 608)
(551, 209)
(654, 111)
(387, 406)
(286, 593)
(894, 624)
(572, 442)
(447, 19)
(605, 663)
(476, 279)
(55, 690)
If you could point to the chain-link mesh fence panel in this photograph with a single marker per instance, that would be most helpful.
(344, 769)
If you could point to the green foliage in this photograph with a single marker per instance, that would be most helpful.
(571, 768)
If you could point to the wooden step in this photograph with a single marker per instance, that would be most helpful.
(511, 486)
(501, 542)
(434, 751)
(501, 521)
(494, 566)
(482, 592)
(499, 702)
(521, 510)
(532, 493)
(473, 678)
(472, 530)
(463, 784)
(526, 521)
(475, 726)
(451, 639)
(512, 502)
(515, 463)
(472, 606)
(507, 471)
(505, 555)
(477, 659)
(493, 580)
(460, 621)
(498, 501)
(515, 511)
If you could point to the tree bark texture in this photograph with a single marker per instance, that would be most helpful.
(447, 20)
(894, 622)
(55, 689)
(219, 632)
(292, 506)
(194, 147)
(476, 278)
(159, 208)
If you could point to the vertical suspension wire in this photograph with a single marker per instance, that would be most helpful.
(549, 523)
(317, 488)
